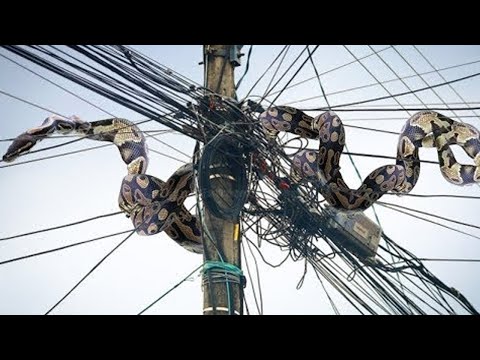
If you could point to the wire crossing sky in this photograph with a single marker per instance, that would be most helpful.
(67, 189)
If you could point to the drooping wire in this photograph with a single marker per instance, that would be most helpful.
(247, 67)
(400, 94)
(318, 76)
(430, 221)
(31, 103)
(429, 214)
(89, 272)
(310, 54)
(61, 226)
(269, 87)
(57, 85)
(438, 72)
(327, 72)
(259, 301)
(62, 247)
(171, 289)
(265, 72)
(383, 82)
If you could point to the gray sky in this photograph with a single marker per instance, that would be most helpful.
(67, 189)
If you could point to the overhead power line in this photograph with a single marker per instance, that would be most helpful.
(61, 226)
(62, 247)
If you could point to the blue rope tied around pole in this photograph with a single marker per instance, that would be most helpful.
(224, 266)
(225, 269)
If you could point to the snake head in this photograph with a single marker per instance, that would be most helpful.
(20, 145)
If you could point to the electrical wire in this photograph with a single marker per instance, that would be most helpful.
(31, 103)
(62, 247)
(471, 76)
(57, 85)
(368, 290)
(429, 214)
(430, 221)
(171, 289)
(61, 226)
(265, 72)
(247, 67)
(343, 91)
(310, 54)
(330, 71)
(89, 273)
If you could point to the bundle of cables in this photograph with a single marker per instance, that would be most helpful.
(224, 159)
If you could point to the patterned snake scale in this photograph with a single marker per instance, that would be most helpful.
(152, 204)
(423, 129)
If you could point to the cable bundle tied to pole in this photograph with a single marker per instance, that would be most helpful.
(222, 158)
(223, 272)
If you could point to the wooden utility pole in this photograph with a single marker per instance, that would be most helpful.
(223, 235)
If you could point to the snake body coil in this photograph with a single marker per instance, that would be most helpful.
(155, 206)
(152, 204)
(425, 128)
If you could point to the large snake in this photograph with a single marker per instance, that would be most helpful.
(152, 204)
(155, 206)
(425, 128)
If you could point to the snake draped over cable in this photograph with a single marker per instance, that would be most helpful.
(152, 204)
(423, 129)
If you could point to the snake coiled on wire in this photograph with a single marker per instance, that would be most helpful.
(423, 129)
(152, 204)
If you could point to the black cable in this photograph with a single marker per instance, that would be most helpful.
(376, 156)
(166, 155)
(330, 71)
(437, 71)
(396, 109)
(61, 226)
(449, 260)
(269, 87)
(399, 118)
(75, 152)
(430, 221)
(429, 214)
(346, 147)
(61, 248)
(88, 273)
(318, 76)
(376, 83)
(247, 66)
(170, 146)
(405, 309)
(57, 85)
(421, 77)
(31, 103)
(140, 107)
(437, 195)
(211, 165)
(370, 129)
(335, 107)
(55, 156)
(266, 71)
(391, 69)
(170, 290)
(257, 271)
(54, 137)
(310, 54)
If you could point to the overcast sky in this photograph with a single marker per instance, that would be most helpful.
(58, 191)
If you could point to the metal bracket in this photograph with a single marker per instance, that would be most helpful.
(233, 54)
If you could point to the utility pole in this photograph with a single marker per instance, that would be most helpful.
(221, 297)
